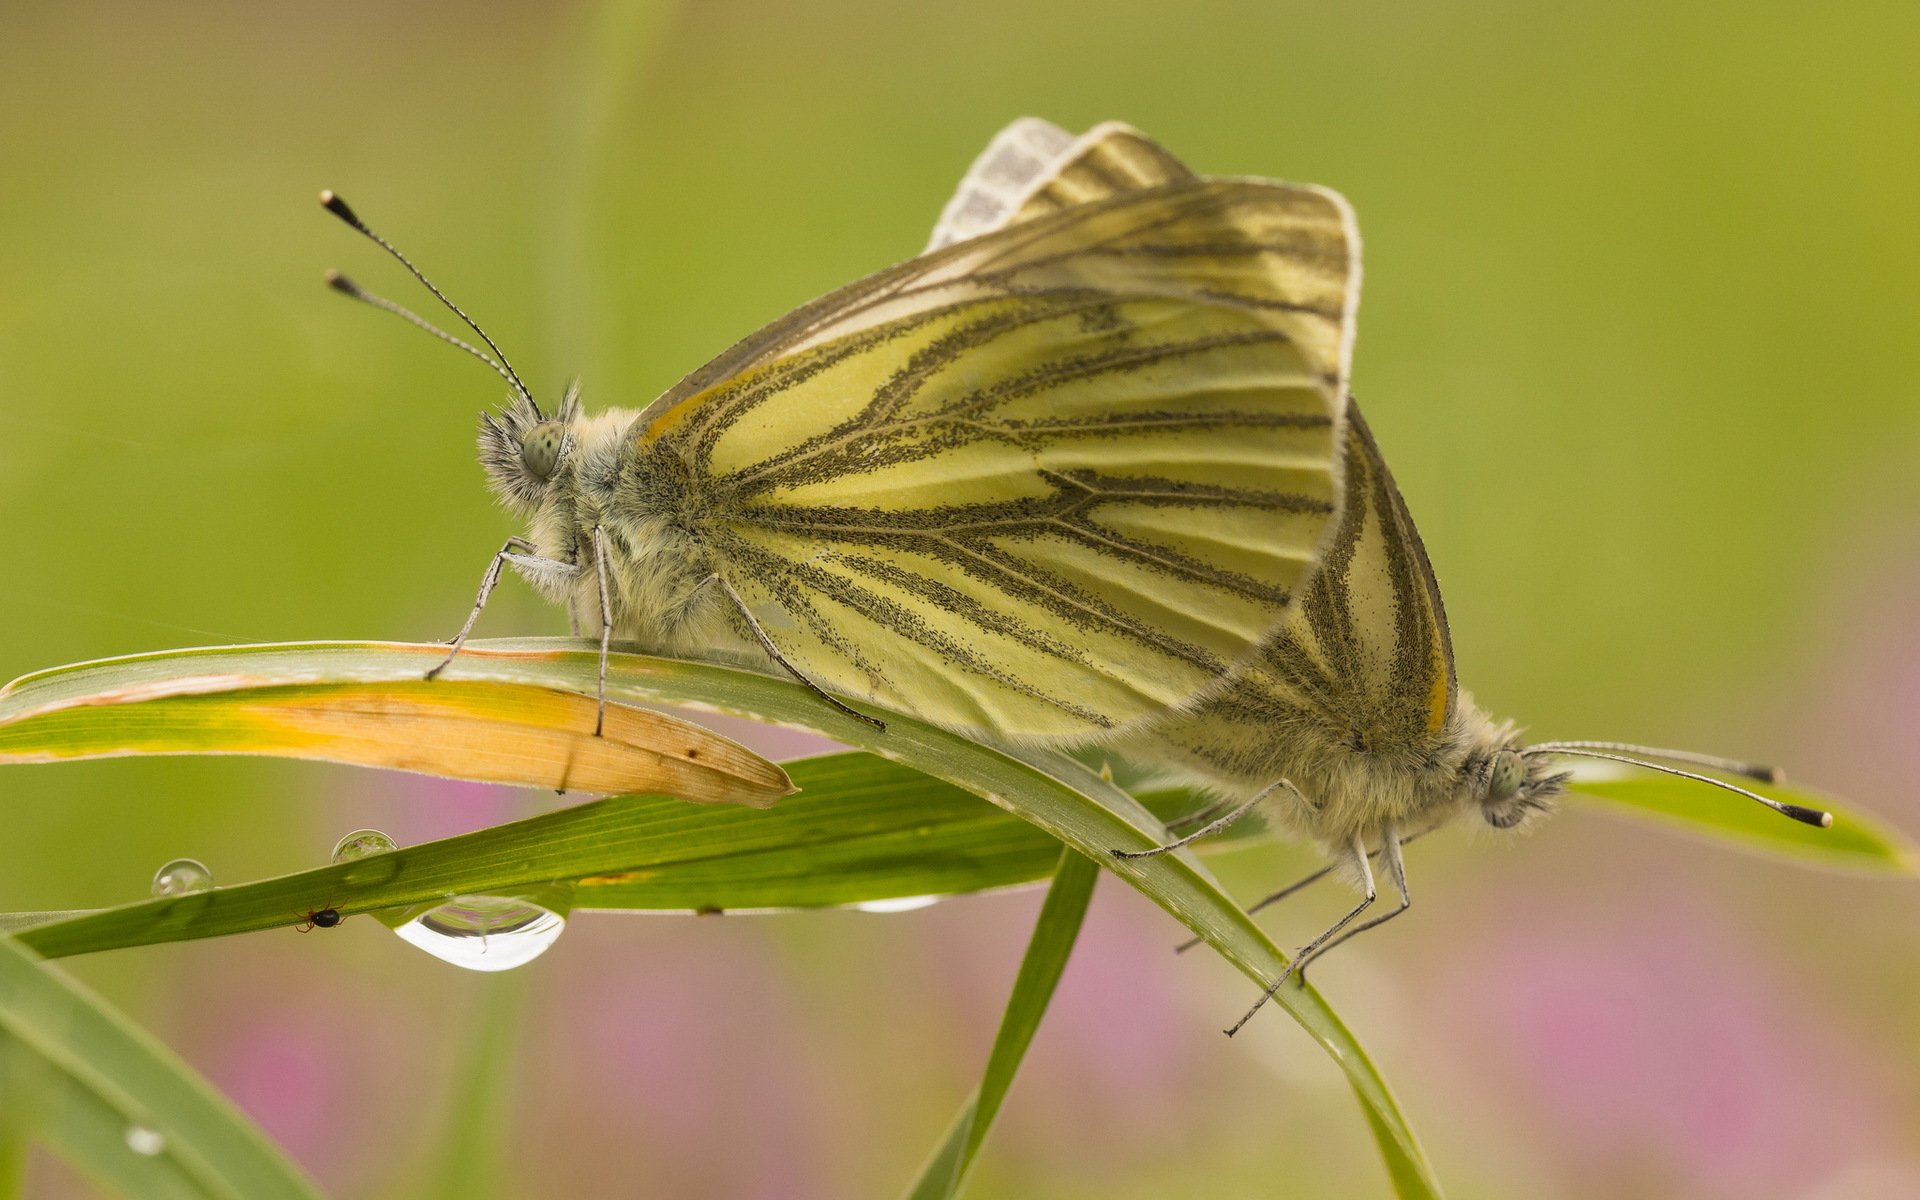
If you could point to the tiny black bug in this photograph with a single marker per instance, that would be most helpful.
(325, 918)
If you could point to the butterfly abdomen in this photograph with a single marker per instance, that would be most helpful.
(1249, 737)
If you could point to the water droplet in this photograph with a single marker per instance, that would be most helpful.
(182, 877)
(362, 843)
(488, 933)
(144, 1141)
(898, 904)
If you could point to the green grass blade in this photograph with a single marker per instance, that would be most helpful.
(1856, 842)
(94, 1075)
(1062, 797)
(1054, 934)
(863, 830)
(489, 730)
(475, 1121)
(19, 1076)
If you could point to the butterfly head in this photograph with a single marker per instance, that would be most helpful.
(1513, 786)
(524, 451)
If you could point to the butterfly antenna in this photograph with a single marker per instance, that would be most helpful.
(338, 208)
(347, 287)
(1806, 816)
(1713, 762)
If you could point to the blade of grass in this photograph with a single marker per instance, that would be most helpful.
(17, 1079)
(863, 830)
(103, 1077)
(1855, 843)
(602, 64)
(474, 1133)
(1062, 797)
(1054, 934)
(488, 731)
(85, 1131)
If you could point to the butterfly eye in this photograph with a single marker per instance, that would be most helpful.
(1507, 774)
(540, 449)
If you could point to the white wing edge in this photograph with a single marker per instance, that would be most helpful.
(1018, 158)
(1350, 319)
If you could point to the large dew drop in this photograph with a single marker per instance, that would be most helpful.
(486, 933)
(182, 877)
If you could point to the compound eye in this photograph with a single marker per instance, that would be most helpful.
(1508, 773)
(540, 449)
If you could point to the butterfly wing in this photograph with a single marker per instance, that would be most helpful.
(1363, 664)
(1033, 167)
(1371, 632)
(1044, 482)
(1378, 601)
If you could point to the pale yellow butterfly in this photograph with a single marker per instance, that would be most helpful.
(1349, 726)
(1041, 482)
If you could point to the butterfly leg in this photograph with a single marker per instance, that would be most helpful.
(1357, 856)
(1201, 815)
(1272, 898)
(507, 554)
(1389, 852)
(1213, 826)
(606, 624)
(773, 652)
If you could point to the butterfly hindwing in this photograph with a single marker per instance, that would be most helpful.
(1044, 482)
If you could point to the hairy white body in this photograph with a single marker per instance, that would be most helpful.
(1339, 795)
(662, 593)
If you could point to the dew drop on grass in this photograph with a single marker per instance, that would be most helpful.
(144, 1141)
(897, 904)
(182, 877)
(486, 933)
(362, 843)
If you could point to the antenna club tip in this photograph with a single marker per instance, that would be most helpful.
(340, 283)
(1808, 816)
(331, 201)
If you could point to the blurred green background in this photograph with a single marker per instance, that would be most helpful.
(1642, 281)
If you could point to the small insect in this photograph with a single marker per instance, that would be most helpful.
(1086, 469)
(323, 918)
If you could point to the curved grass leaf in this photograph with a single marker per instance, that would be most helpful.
(1054, 934)
(1856, 842)
(485, 730)
(862, 830)
(476, 1117)
(1055, 793)
(81, 1077)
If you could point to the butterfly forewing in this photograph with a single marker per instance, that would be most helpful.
(1048, 481)
(1362, 664)
(1033, 167)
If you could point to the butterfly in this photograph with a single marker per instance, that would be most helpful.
(1086, 470)
(1057, 474)
(1348, 725)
